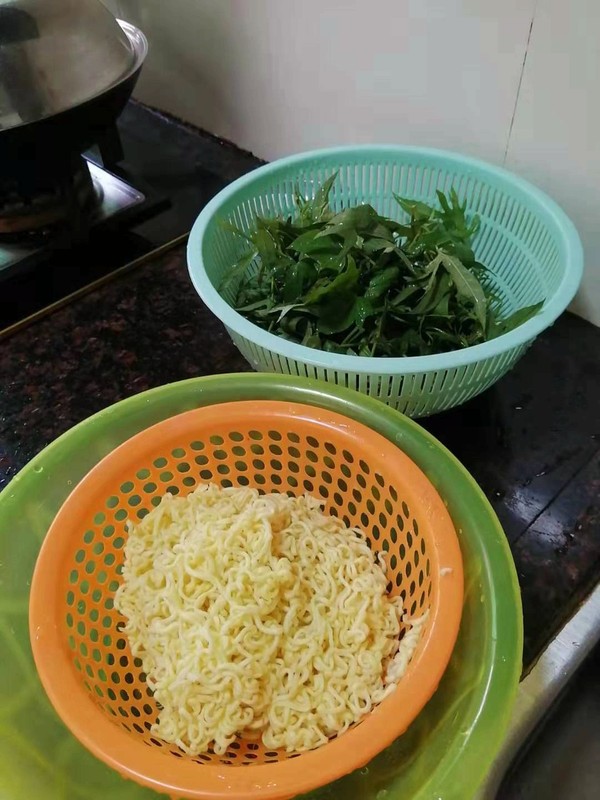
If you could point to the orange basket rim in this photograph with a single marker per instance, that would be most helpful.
(273, 781)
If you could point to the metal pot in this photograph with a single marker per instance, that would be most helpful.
(67, 68)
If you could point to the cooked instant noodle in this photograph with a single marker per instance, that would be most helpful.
(258, 615)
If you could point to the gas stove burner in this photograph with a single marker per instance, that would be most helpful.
(93, 199)
(34, 202)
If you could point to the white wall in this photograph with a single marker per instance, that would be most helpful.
(555, 140)
(511, 81)
(277, 76)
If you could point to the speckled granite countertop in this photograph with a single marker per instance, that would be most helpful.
(532, 441)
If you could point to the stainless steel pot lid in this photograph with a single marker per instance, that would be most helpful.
(56, 54)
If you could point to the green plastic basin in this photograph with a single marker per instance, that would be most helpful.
(449, 748)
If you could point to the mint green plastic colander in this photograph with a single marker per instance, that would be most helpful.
(528, 243)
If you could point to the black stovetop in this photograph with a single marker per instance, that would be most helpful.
(163, 161)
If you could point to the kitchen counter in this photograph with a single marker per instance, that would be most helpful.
(532, 441)
(134, 322)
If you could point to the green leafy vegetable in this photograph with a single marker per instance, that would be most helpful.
(357, 283)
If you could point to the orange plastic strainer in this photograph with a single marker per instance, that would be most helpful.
(83, 660)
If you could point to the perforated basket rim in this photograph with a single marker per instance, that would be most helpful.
(553, 306)
(283, 779)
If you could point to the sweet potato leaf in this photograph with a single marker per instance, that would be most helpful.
(351, 281)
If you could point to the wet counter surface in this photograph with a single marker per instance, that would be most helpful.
(532, 441)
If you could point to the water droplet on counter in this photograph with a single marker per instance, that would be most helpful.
(69, 483)
(364, 771)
